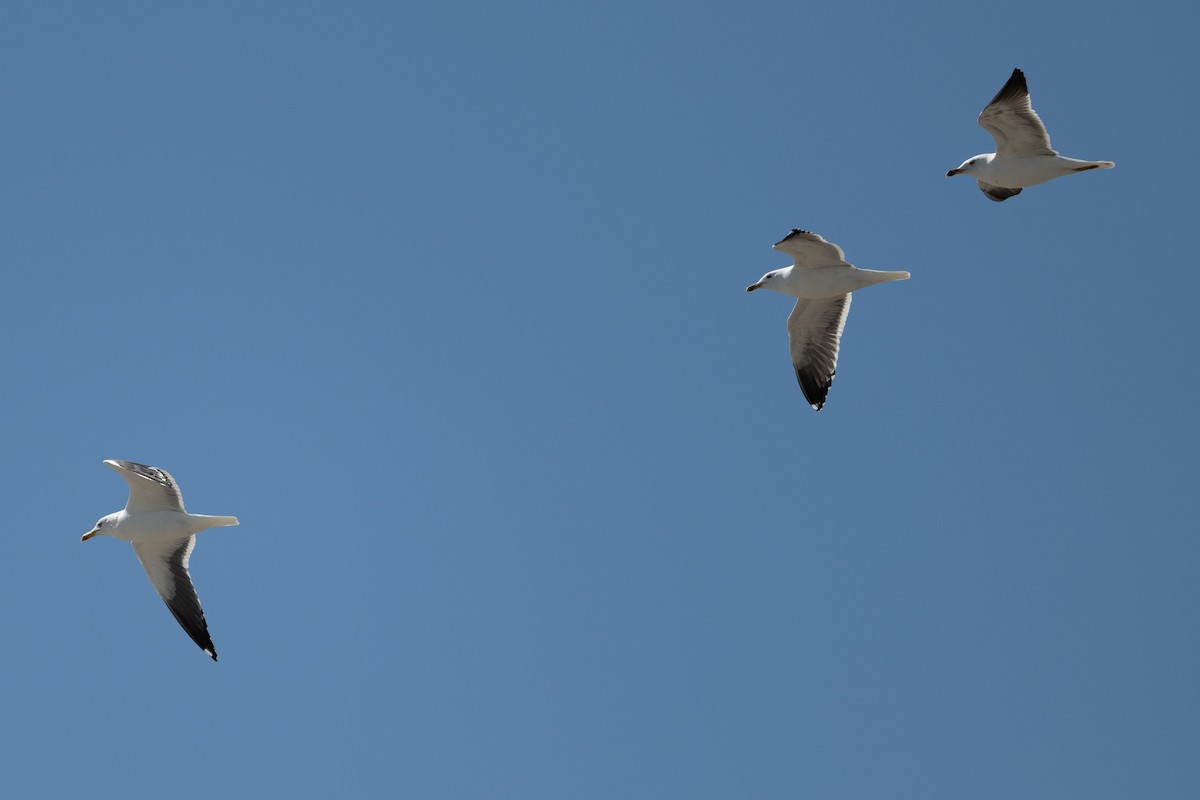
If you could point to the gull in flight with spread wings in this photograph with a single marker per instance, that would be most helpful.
(1023, 154)
(821, 280)
(163, 535)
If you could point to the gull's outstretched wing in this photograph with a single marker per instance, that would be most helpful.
(814, 332)
(810, 250)
(150, 488)
(166, 565)
(997, 193)
(1013, 123)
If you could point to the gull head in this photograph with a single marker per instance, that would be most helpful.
(972, 165)
(769, 281)
(98, 529)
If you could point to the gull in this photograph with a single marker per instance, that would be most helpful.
(821, 280)
(163, 535)
(1023, 154)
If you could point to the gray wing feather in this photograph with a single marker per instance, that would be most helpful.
(810, 250)
(1013, 123)
(814, 333)
(150, 488)
(166, 565)
(997, 193)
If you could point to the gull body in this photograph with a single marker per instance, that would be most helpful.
(1023, 154)
(155, 525)
(163, 535)
(822, 281)
(1019, 172)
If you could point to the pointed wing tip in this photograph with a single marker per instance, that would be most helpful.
(814, 388)
(1014, 87)
(794, 232)
(816, 400)
(211, 653)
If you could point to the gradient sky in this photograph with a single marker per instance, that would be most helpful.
(446, 303)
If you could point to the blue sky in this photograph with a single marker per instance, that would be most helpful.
(447, 305)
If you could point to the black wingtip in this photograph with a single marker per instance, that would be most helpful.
(1013, 88)
(815, 389)
(193, 623)
(794, 233)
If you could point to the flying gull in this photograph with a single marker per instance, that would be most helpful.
(163, 535)
(821, 280)
(1023, 154)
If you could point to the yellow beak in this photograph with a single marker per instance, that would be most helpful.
(90, 534)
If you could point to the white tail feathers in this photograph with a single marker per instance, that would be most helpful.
(209, 521)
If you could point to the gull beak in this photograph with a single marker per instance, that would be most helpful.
(754, 286)
(953, 172)
(90, 534)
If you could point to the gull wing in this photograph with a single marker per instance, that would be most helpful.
(997, 193)
(1013, 123)
(814, 333)
(166, 565)
(150, 488)
(810, 250)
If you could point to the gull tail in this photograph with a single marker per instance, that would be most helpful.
(214, 522)
(873, 276)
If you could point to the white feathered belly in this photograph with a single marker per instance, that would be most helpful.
(1017, 173)
(823, 282)
(152, 524)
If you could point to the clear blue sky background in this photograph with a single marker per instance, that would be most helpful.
(446, 302)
